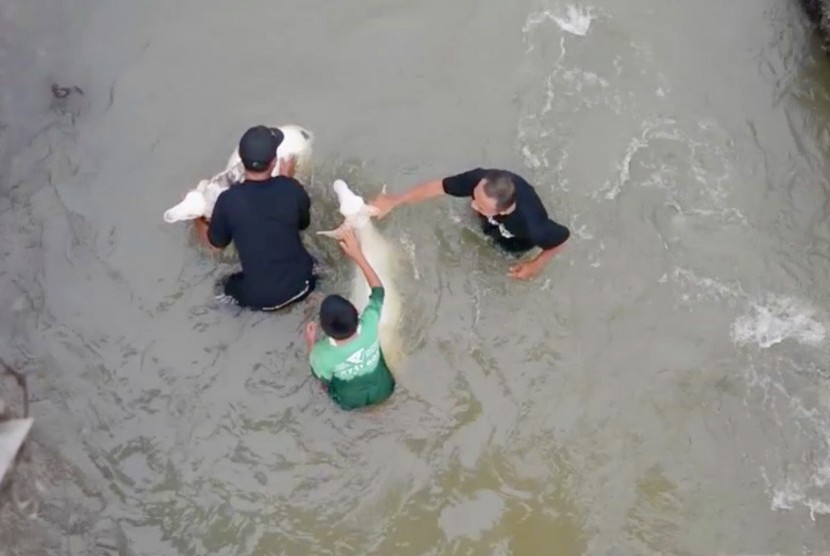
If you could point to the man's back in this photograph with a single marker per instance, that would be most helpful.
(264, 220)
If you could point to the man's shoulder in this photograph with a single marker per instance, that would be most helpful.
(475, 173)
(527, 199)
(320, 350)
(519, 180)
(285, 180)
(288, 187)
(231, 193)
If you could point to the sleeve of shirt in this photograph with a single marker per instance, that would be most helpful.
(318, 366)
(548, 234)
(370, 318)
(219, 232)
(304, 208)
(462, 185)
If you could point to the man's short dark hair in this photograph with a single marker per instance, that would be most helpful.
(338, 317)
(499, 186)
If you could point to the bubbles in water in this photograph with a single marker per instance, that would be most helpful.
(694, 163)
(706, 287)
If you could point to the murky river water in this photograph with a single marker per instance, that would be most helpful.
(663, 388)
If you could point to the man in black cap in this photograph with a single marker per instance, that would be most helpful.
(263, 216)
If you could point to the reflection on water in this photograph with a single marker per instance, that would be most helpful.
(661, 389)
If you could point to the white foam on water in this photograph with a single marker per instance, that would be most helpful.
(576, 21)
(768, 320)
(778, 318)
(709, 287)
(790, 495)
(694, 165)
(793, 493)
(533, 160)
(802, 460)
(572, 19)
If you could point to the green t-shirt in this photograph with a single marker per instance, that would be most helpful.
(356, 358)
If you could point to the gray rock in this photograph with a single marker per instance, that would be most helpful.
(819, 13)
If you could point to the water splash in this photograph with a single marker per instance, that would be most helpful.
(577, 21)
(778, 318)
(574, 19)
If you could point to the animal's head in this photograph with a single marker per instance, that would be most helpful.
(296, 141)
(356, 213)
(192, 206)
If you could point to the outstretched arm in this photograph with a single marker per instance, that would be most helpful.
(384, 203)
(350, 245)
(368, 272)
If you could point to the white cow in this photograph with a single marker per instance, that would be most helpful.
(383, 258)
(199, 201)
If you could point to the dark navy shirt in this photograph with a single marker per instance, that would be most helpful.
(264, 219)
(526, 227)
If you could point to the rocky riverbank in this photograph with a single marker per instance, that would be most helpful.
(819, 13)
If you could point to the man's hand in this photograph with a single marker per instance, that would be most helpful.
(201, 225)
(350, 245)
(382, 205)
(525, 271)
(287, 166)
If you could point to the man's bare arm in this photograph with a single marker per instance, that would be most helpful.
(201, 225)
(428, 190)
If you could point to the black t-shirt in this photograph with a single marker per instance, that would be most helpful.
(526, 227)
(264, 220)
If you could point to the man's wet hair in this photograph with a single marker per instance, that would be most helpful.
(338, 317)
(499, 186)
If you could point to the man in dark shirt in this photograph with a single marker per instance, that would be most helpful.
(511, 212)
(263, 216)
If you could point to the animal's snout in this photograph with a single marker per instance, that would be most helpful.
(192, 206)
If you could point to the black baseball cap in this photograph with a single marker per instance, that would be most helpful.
(258, 147)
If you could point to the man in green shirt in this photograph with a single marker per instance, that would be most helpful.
(349, 361)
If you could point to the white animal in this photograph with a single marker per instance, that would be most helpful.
(200, 201)
(382, 257)
(12, 434)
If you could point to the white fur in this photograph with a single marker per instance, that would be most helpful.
(200, 200)
(12, 434)
(382, 257)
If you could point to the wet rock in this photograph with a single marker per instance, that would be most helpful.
(819, 13)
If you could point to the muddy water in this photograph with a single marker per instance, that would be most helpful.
(661, 389)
